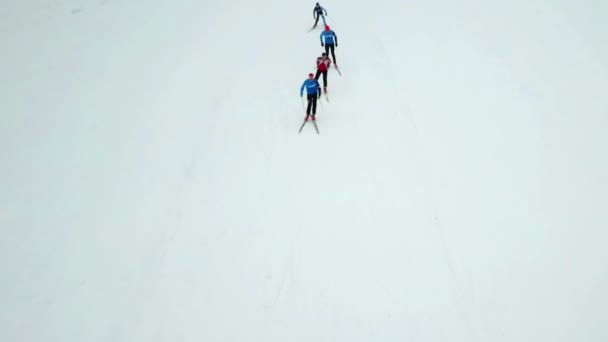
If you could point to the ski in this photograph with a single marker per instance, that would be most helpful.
(313, 122)
(303, 123)
(338, 70)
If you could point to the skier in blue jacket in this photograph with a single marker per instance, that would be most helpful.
(313, 91)
(329, 39)
(317, 12)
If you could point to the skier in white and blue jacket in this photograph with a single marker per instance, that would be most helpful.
(329, 39)
(317, 12)
(313, 91)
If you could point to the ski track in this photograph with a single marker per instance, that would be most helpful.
(434, 213)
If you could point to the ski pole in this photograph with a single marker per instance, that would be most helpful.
(321, 104)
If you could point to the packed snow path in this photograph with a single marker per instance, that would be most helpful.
(154, 187)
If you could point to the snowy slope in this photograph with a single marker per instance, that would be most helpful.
(154, 187)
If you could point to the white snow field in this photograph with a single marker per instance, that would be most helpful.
(154, 187)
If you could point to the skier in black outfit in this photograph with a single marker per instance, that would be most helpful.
(317, 12)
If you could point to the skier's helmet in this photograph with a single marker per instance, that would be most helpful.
(311, 75)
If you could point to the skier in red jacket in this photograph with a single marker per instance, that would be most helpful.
(323, 64)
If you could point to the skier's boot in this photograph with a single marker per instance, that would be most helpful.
(313, 117)
(307, 116)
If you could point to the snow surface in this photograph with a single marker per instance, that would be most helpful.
(153, 186)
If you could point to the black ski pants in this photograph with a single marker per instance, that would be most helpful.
(319, 72)
(317, 16)
(333, 54)
(312, 103)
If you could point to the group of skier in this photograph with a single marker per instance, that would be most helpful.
(329, 40)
